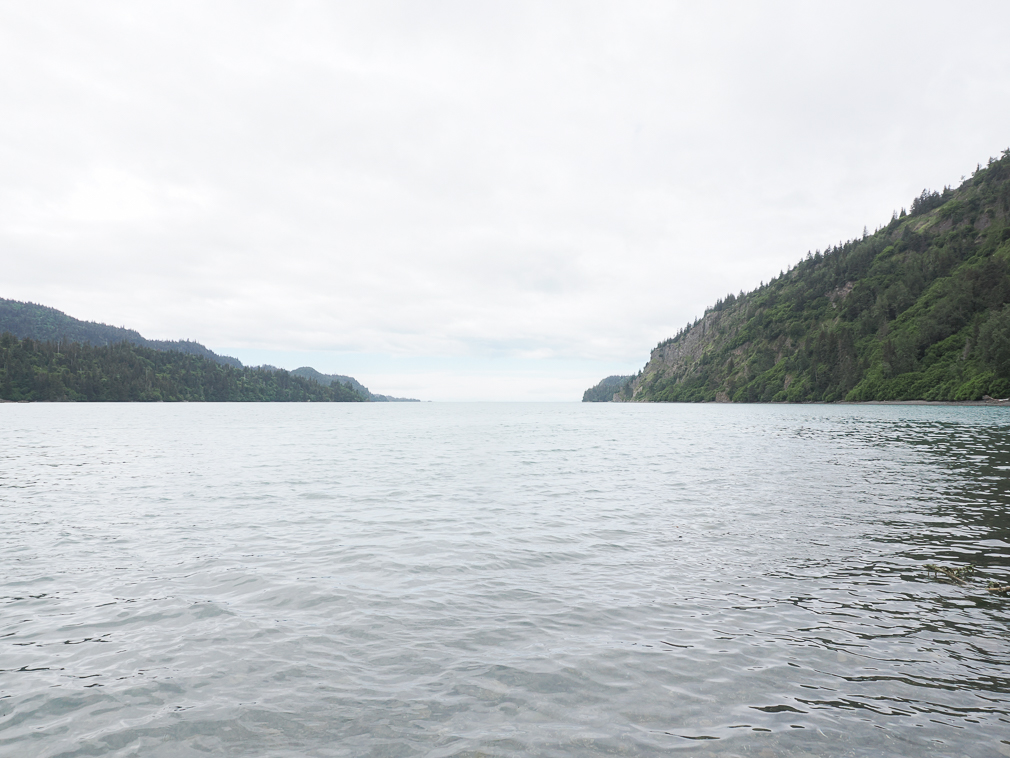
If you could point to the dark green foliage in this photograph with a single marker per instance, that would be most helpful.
(40, 322)
(34, 370)
(604, 391)
(327, 379)
(310, 373)
(918, 310)
(994, 341)
(927, 201)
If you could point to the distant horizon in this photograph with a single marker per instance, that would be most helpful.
(483, 202)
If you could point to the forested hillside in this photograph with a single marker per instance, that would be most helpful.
(39, 322)
(310, 373)
(916, 311)
(33, 370)
(604, 391)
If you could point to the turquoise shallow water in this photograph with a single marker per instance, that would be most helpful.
(502, 580)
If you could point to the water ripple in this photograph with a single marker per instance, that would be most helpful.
(510, 580)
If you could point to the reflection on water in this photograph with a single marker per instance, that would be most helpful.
(558, 580)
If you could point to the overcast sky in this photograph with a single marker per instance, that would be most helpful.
(474, 200)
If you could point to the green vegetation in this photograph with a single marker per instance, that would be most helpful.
(310, 373)
(604, 391)
(920, 310)
(64, 370)
(40, 322)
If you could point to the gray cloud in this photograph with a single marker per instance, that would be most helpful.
(464, 182)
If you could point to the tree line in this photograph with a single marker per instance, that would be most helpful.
(918, 310)
(34, 370)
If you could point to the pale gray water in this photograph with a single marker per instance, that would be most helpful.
(508, 580)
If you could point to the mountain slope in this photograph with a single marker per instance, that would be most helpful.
(605, 390)
(39, 322)
(70, 371)
(917, 311)
(326, 379)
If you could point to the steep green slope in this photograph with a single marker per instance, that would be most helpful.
(604, 391)
(32, 370)
(918, 310)
(39, 322)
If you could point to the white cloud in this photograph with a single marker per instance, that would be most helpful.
(467, 182)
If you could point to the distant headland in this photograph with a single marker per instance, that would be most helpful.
(46, 355)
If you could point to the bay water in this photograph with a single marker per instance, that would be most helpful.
(502, 580)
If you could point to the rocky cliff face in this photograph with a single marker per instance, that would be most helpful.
(675, 359)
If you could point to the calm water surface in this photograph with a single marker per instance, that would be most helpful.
(502, 580)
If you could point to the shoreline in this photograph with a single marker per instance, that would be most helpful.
(1003, 402)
